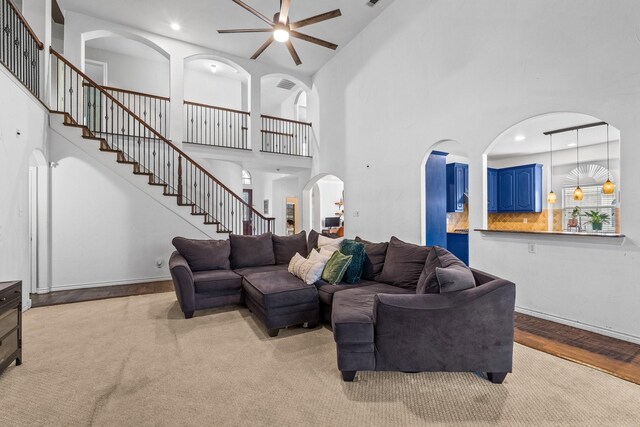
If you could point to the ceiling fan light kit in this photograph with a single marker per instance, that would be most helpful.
(282, 30)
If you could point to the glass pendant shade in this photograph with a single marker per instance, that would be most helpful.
(608, 187)
(551, 198)
(578, 194)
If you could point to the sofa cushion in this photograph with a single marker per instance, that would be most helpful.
(261, 269)
(352, 312)
(251, 251)
(356, 250)
(326, 291)
(278, 289)
(219, 282)
(285, 247)
(336, 267)
(403, 264)
(311, 269)
(312, 242)
(330, 243)
(204, 255)
(438, 258)
(455, 278)
(375, 254)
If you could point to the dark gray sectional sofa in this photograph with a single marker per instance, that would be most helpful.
(397, 318)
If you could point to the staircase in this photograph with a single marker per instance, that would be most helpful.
(103, 118)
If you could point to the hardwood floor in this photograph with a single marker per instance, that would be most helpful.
(90, 294)
(610, 355)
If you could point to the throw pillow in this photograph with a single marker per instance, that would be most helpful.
(295, 263)
(325, 252)
(336, 267)
(251, 251)
(311, 269)
(204, 255)
(455, 278)
(356, 250)
(330, 243)
(438, 258)
(403, 264)
(374, 259)
(285, 247)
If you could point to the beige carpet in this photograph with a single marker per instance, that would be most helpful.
(135, 361)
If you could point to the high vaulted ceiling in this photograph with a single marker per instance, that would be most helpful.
(200, 20)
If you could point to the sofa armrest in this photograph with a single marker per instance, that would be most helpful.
(459, 331)
(183, 282)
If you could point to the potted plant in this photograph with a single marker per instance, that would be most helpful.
(596, 219)
(573, 221)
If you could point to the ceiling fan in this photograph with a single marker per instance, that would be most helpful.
(282, 29)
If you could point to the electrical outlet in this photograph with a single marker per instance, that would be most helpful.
(159, 262)
(356, 214)
(532, 248)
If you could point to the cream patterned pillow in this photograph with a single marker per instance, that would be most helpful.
(310, 270)
(295, 263)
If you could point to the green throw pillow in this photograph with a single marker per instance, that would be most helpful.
(336, 267)
(356, 250)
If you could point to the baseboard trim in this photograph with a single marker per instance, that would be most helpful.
(587, 327)
(106, 283)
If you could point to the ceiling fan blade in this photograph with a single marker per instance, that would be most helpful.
(294, 54)
(247, 30)
(284, 11)
(262, 48)
(253, 11)
(314, 40)
(316, 19)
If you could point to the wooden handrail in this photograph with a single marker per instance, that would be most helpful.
(26, 24)
(133, 92)
(264, 116)
(153, 131)
(231, 110)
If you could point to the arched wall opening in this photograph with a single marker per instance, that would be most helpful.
(445, 198)
(533, 169)
(216, 107)
(280, 94)
(323, 197)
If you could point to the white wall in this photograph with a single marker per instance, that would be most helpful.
(105, 231)
(18, 111)
(453, 69)
(207, 88)
(133, 73)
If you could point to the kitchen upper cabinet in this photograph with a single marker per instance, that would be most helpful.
(519, 189)
(457, 186)
(492, 190)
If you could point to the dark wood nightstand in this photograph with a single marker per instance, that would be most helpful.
(10, 324)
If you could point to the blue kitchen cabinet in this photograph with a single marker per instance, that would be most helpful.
(458, 244)
(457, 186)
(492, 190)
(520, 189)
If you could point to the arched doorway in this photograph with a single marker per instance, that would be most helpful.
(445, 198)
(324, 199)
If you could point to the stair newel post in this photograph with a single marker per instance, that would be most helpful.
(180, 177)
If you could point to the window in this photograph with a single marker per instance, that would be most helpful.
(594, 200)
(246, 178)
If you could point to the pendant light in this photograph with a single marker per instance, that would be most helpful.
(551, 198)
(578, 194)
(608, 187)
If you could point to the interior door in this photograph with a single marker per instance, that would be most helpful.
(247, 222)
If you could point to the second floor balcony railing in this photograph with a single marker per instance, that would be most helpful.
(284, 136)
(216, 126)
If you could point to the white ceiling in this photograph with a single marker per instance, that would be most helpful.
(200, 20)
(536, 142)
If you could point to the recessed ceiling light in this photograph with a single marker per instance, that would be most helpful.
(214, 68)
(519, 138)
(175, 26)
(573, 144)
